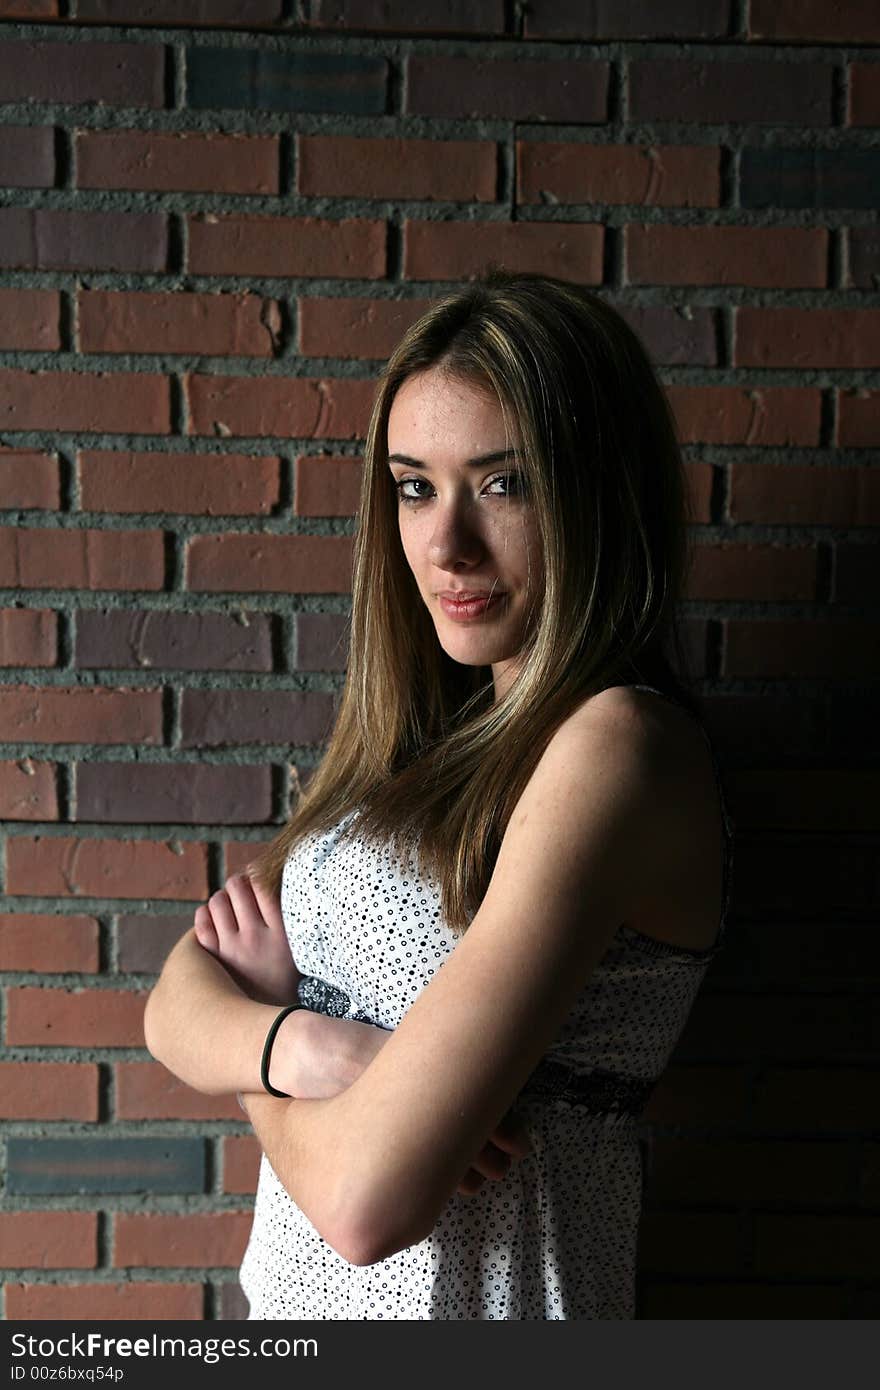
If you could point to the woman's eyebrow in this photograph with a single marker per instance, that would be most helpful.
(497, 457)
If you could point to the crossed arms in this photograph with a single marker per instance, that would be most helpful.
(373, 1165)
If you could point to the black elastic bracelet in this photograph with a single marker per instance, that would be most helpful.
(267, 1051)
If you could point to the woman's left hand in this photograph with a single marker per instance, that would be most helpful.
(509, 1141)
(241, 926)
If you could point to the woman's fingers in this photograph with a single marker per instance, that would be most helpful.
(244, 904)
(491, 1162)
(512, 1136)
(471, 1183)
(206, 932)
(268, 903)
(222, 914)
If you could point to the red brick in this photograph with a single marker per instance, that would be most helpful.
(457, 250)
(571, 19)
(764, 573)
(779, 257)
(807, 338)
(241, 14)
(116, 638)
(304, 407)
(777, 1026)
(677, 337)
(72, 558)
(321, 642)
(647, 175)
(815, 21)
(29, 320)
(732, 1172)
(351, 248)
(63, 239)
(62, 1018)
(238, 856)
(48, 1091)
(673, 89)
(107, 868)
(820, 800)
(144, 940)
(255, 716)
(189, 484)
(744, 1301)
(369, 328)
(864, 257)
(115, 74)
(27, 156)
(206, 1240)
(327, 486)
(241, 1164)
(869, 1176)
(689, 1243)
(858, 419)
(29, 9)
(749, 415)
(844, 958)
(698, 481)
(48, 942)
(838, 884)
(269, 564)
(234, 1306)
(176, 793)
(130, 1301)
(798, 495)
(27, 792)
(864, 94)
(191, 163)
(29, 479)
(146, 1091)
(69, 715)
(817, 1099)
(439, 170)
(514, 89)
(88, 402)
(699, 1096)
(427, 16)
(49, 1239)
(237, 325)
(823, 1246)
(856, 572)
(28, 637)
(841, 651)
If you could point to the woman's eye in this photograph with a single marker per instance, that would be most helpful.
(409, 482)
(513, 483)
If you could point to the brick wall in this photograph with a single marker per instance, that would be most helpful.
(212, 233)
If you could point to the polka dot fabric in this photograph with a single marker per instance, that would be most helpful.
(555, 1238)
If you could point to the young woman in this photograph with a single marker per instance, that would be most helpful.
(501, 889)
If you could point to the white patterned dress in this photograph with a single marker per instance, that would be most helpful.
(556, 1237)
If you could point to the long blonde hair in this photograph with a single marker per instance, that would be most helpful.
(419, 748)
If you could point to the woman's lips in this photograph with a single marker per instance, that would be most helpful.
(469, 608)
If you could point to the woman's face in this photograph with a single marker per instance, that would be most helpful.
(465, 525)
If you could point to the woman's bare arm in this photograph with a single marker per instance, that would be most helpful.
(589, 844)
(209, 1033)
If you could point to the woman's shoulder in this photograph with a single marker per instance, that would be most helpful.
(642, 713)
(681, 799)
(655, 742)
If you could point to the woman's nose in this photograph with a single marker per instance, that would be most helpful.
(454, 537)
